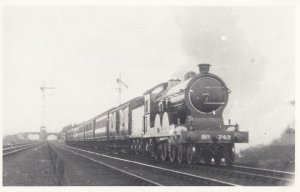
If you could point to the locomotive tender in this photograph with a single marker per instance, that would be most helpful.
(176, 121)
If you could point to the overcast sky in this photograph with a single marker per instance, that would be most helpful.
(81, 51)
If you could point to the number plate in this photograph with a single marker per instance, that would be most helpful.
(224, 137)
(219, 137)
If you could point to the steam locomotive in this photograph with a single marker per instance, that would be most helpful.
(179, 121)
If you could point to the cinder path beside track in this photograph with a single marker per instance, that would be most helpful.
(34, 167)
(31, 167)
(81, 171)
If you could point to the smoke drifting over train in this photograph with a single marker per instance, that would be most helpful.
(246, 50)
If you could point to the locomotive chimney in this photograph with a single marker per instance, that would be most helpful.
(204, 68)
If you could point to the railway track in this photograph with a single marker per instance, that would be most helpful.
(137, 180)
(266, 172)
(15, 145)
(239, 175)
(249, 176)
(14, 149)
(146, 173)
(242, 175)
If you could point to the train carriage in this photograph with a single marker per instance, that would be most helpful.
(69, 135)
(72, 134)
(101, 127)
(119, 122)
(124, 121)
(75, 134)
(89, 130)
(81, 132)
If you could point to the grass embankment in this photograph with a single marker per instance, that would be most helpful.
(279, 155)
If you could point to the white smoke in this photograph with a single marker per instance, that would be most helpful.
(243, 47)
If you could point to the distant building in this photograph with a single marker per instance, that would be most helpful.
(33, 137)
(20, 136)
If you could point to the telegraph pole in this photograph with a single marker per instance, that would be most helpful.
(120, 82)
(43, 88)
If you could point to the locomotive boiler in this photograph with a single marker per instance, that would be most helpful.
(180, 121)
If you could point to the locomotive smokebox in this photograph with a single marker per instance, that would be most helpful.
(204, 68)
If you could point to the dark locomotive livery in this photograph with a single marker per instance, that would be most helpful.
(176, 121)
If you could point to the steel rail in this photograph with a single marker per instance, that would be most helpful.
(269, 171)
(255, 174)
(156, 167)
(245, 173)
(14, 147)
(256, 171)
(17, 150)
(144, 180)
